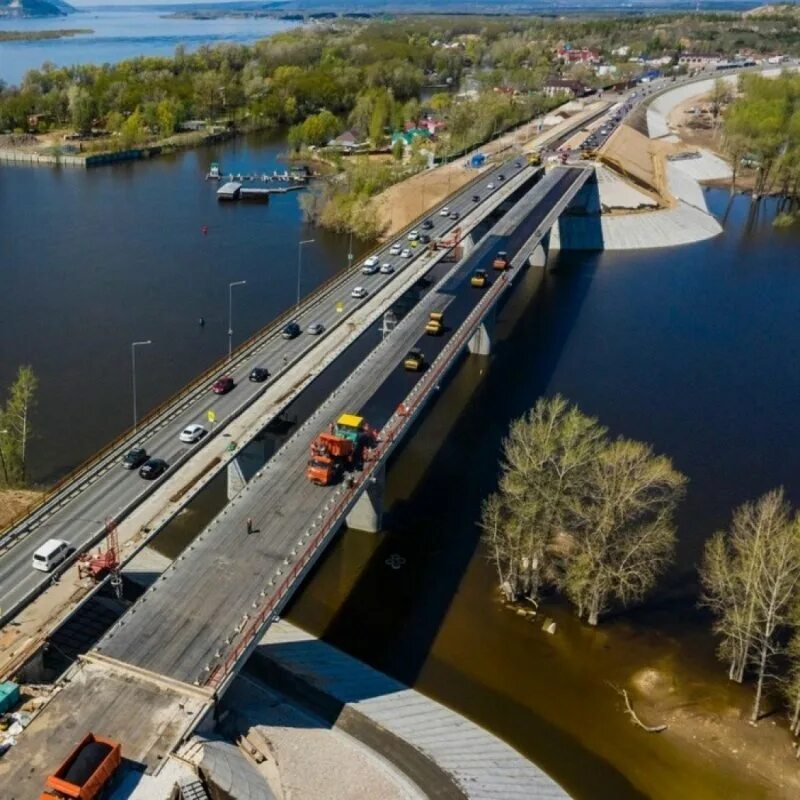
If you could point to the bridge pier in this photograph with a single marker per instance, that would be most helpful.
(367, 513)
(538, 258)
(246, 464)
(481, 342)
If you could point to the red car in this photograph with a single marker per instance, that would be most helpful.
(223, 385)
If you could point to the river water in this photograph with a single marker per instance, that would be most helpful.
(118, 34)
(691, 349)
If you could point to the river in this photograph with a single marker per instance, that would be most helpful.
(691, 349)
(118, 34)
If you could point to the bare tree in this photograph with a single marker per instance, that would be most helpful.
(791, 686)
(732, 571)
(546, 458)
(16, 422)
(624, 535)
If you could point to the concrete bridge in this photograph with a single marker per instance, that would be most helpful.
(159, 673)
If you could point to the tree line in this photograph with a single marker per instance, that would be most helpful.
(591, 517)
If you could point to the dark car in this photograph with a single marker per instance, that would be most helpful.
(428, 224)
(454, 215)
(517, 164)
(424, 238)
(152, 468)
(258, 375)
(135, 458)
(291, 331)
(475, 198)
(501, 177)
(223, 385)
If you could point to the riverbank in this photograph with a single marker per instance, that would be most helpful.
(14, 502)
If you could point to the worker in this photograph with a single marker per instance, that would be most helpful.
(249, 525)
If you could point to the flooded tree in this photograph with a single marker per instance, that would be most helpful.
(590, 517)
(546, 459)
(623, 528)
(751, 579)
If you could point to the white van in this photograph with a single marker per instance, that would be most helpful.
(50, 554)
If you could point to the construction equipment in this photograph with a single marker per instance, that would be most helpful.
(99, 565)
(451, 241)
(500, 260)
(479, 279)
(435, 324)
(535, 158)
(588, 154)
(86, 771)
(337, 450)
(414, 360)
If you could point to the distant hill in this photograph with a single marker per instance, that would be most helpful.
(12, 9)
(781, 10)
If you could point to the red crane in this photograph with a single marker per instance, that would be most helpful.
(98, 565)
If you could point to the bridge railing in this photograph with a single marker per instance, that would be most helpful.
(199, 383)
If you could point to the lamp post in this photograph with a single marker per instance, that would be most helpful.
(300, 265)
(230, 314)
(134, 345)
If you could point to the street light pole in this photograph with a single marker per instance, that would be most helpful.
(230, 315)
(134, 345)
(300, 265)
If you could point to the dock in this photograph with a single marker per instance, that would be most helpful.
(233, 190)
(229, 191)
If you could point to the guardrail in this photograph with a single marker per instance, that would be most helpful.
(115, 447)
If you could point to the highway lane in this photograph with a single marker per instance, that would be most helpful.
(81, 519)
(180, 624)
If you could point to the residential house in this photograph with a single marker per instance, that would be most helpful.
(347, 141)
(569, 88)
(570, 55)
(408, 136)
(699, 60)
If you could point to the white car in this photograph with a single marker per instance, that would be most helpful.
(445, 212)
(369, 269)
(406, 253)
(395, 249)
(413, 236)
(372, 261)
(193, 433)
(387, 269)
(315, 328)
(490, 186)
(359, 292)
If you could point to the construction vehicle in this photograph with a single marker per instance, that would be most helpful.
(535, 158)
(435, 323)
(587, 154)
(86, 771)
(500, 260)
(337, 450)
(479, 279)
(414, 361)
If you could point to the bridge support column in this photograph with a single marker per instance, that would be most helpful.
(481, 342)
(245, 465)
(367, 513)
(538, 257)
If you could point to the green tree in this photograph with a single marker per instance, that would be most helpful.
(15, 421)
(81, 108)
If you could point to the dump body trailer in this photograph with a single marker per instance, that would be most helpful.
(330, 455)
(86, 770)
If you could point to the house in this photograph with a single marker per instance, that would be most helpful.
(570, 88)
(569, 55)
(408, 136)
(34, 120)
(347, 141)
(433, 125)
(699, 60)
(622, 52)
(606, 69)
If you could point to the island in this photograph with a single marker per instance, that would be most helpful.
(33, 36)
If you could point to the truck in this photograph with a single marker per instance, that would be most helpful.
(435, 324)
(86, 771)
(500, 260)
(535, 158)
(414, 360)
(336, 450)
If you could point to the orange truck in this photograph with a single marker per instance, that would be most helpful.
(337, 450)
(86, 771)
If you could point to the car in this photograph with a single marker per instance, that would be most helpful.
(413, 236)
(490, 186)
(359, 292)
(445, 212)
(414, 361)
(372, 261)
(518, 164)
(476, 198)
(291, 330)
(223, 385)
(454, 215)
(428, 224)
(387, 269)
(501, 177)
(406, 253)
(315, 328)
(153, 468)
(479, 279)
(395, 249)
(424, 238)
(192, 433)
(370, 269)
(135, 458)
(258, 375)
